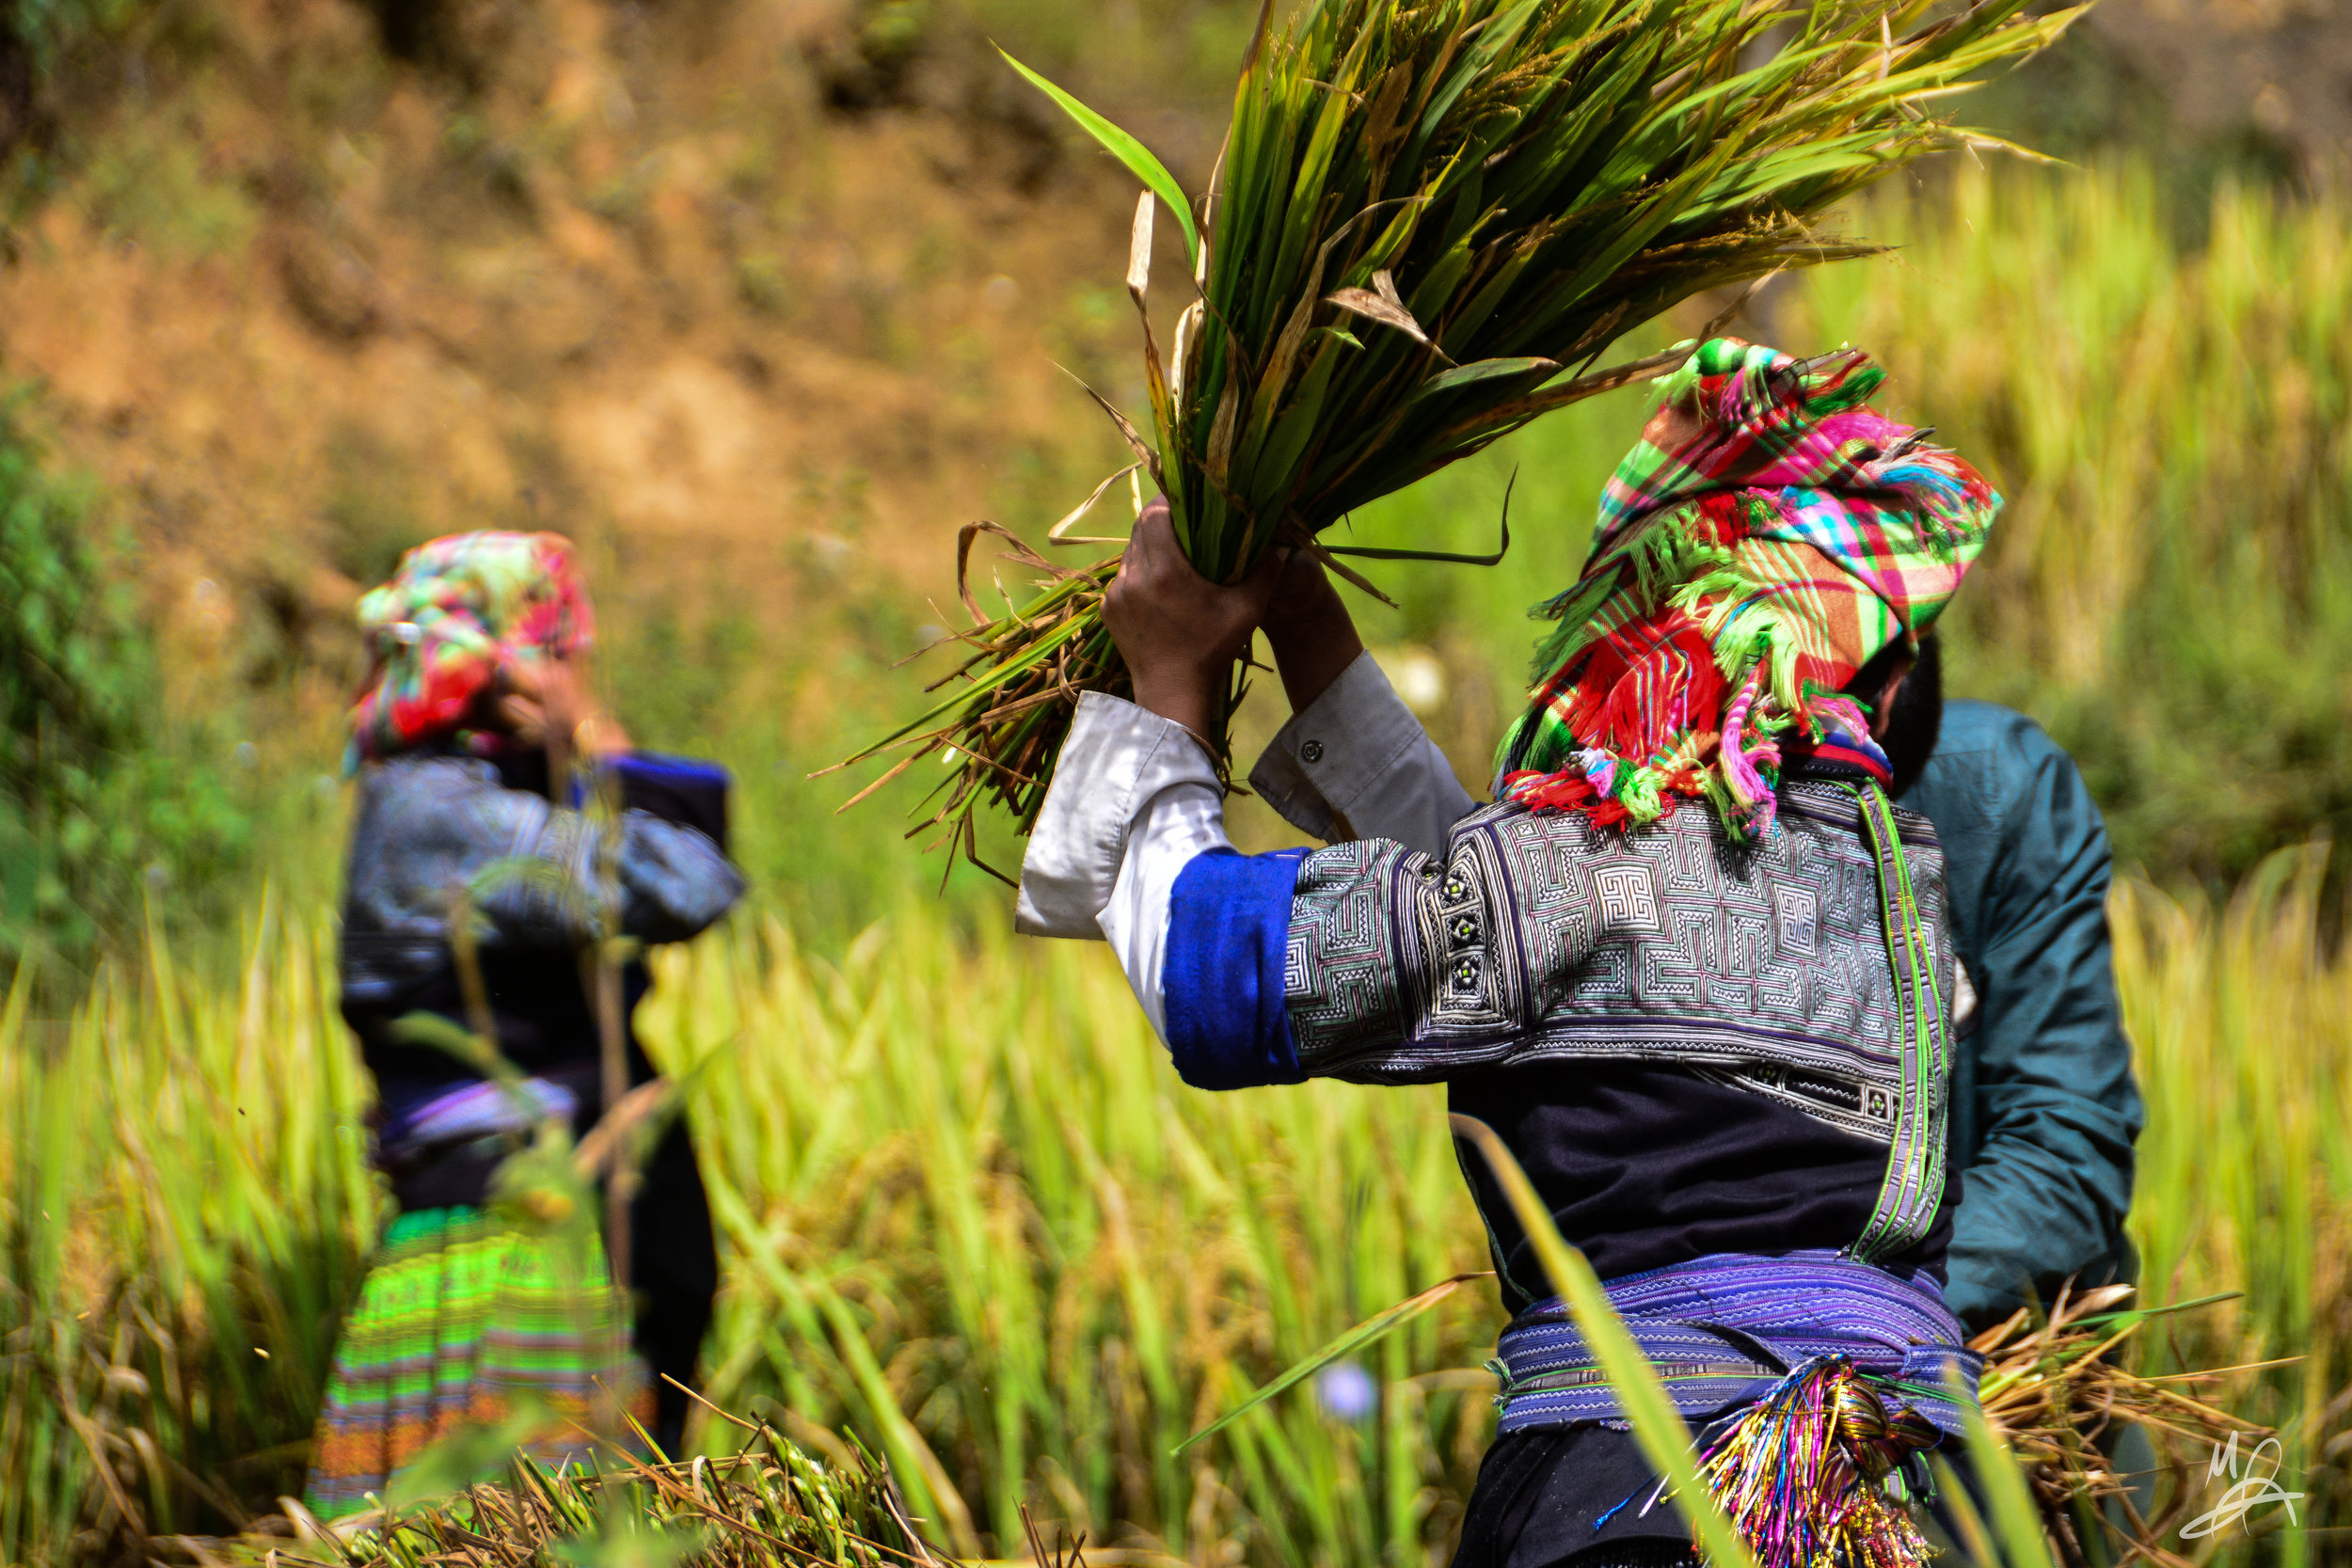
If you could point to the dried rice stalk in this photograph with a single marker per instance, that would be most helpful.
(2053, 1388)
(776, 1508)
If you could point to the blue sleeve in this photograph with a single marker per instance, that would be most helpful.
(682, 790)
(1229, 922)
(2045, 1108)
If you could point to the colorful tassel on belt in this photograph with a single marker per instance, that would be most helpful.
(1803, 1473)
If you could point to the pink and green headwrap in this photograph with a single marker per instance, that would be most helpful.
(458, 609)
(1735, 585)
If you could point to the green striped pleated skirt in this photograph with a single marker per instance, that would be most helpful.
(464, 1322)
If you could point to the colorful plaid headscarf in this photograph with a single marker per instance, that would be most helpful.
(459, 608)
(1735, 585)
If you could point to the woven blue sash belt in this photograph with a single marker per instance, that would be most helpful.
(1723, 1330)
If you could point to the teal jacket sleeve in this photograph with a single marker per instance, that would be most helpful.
(2044, 1108)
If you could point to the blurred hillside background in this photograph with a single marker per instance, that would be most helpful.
(761, 301)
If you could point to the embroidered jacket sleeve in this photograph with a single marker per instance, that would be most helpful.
(2045, 1109)
(1135, 801)
(1373, 961)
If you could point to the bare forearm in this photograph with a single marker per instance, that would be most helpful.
(1186, 695)
(1307, 626)
(1311, 654)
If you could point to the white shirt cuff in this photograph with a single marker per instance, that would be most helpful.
(1117, 760)
(1180, 822)
(1356, 763)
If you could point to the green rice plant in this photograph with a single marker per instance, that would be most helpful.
(2242, 1019)
(186, 1203)
(970, 1216)
(2016, 1524)
(1426, 224)
(975, 1218)
(1040, 1136)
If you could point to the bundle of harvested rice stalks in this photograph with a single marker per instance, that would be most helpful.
(2052, 1389)
(1427, 224)
(773, 1509)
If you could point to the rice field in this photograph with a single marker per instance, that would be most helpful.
(973, 1220)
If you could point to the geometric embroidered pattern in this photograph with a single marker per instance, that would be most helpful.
(1914, 1185)
(1546, 937)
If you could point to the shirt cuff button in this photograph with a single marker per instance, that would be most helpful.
(1311, 751)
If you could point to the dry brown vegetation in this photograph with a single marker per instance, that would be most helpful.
(688, 282)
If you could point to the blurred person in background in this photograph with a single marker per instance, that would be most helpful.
(478, 746)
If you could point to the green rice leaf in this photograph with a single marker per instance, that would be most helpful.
(1485, 369)
(1356, 1338)
(2015, 1518)
(1128, 150)
(1374, 552)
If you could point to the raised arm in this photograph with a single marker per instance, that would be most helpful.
(1135, 799)
(1255, 969)
(432, 828)
(1131, 841)
(1353, 761)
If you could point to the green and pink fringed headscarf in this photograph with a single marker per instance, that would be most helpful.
(1735, 585)
(458, 610)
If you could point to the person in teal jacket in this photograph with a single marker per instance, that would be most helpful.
(2044, 1106)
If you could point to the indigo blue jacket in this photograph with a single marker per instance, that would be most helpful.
(2044, 1108)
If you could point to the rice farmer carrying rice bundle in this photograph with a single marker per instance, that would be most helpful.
(1691, 965)
(474, 708)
